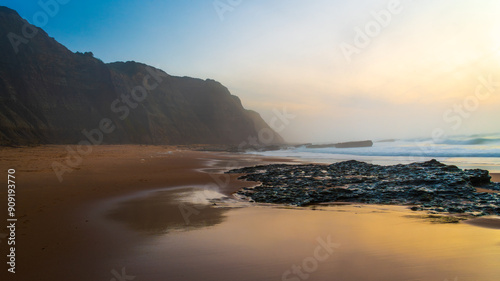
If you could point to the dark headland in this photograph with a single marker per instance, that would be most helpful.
(51, 95)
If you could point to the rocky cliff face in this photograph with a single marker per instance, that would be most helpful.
(49, 94)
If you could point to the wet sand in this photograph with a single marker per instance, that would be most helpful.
(234, 241)
(485, 222)
(60, 232)
(152, 212)
(495, 177)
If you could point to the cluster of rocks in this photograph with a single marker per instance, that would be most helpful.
(429, 186)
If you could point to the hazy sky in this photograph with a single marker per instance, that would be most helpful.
(347, 70)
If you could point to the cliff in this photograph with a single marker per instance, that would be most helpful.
(50, 95)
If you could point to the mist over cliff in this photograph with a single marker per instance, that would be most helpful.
(50, 95)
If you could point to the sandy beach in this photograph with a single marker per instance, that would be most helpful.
(495, 177)
(107, 213)
(56, 233)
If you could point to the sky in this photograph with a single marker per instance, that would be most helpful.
(341, 70)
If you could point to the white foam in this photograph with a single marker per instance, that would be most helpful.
(460, 151)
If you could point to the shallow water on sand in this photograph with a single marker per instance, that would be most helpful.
(231, 241)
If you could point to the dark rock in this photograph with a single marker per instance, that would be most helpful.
(430, 185)
(351, 144)
(478, 177)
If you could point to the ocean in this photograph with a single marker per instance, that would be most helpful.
(466, 152)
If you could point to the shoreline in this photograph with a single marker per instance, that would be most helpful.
(60, 218)
(61, 223)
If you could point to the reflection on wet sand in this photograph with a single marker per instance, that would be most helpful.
(277, 243)
(161, 211)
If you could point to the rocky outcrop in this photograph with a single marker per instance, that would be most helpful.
(51, 95)
(351, 144)
(431, 186)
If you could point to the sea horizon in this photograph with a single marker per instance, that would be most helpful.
(480, 151)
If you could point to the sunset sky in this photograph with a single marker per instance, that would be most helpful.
(347, 70)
